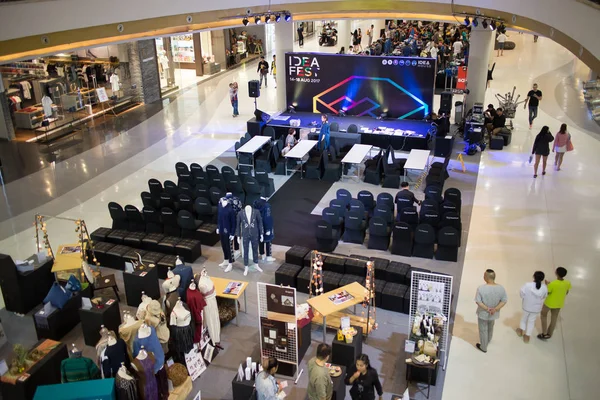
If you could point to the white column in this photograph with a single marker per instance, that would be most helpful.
(343, 28)
(379, 25)
(481, 43)
(284, 43)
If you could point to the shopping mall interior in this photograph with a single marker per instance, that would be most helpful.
(97, 113)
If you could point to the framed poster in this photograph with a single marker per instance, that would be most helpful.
(281, 300)
(195, 363)
(102, 96)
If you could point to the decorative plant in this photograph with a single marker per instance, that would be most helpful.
(18, 364)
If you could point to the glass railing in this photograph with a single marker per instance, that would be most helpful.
(591, 3)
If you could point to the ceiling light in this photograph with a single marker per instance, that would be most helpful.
(268, 19)
(257, 20)
(288, 17)
(493, 25)
(245, 21)
(484, 24)
(467, 21)
(278, 18)
(475, 22)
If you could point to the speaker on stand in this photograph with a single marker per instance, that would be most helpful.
(446, 103)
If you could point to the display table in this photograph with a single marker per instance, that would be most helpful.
(345, 354)
(326, 308)
(97, 389)
(243, 390)
(221, 284)
(141, 281)
(417, 161)
(251, 147)
(44, 372)
(299, 151)
(22, 291)
(422, 373)
(356, 155)
(94, 318)
(339, 386)
(60, 322)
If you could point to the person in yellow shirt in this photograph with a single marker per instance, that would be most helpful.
(557, 292)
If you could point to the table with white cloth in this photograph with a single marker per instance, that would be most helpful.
(299, 151)
(417, 160)
(356, 155)
(251, 147)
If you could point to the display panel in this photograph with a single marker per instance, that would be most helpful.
(401, 87)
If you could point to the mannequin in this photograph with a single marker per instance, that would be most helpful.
(128, 329)
(146, 341)
(115, 84)
(237, 205)
(125, 385)
(185, 275)
(47, 106)
(250, 229)
(144, 363)
(78, 368)
(196, 302)
(182, 332)
(101, 345)
(141, 311)
(211, 310)
(267, 219)
(114, 355)
(170, 287)
(157, 319)
(226, 218)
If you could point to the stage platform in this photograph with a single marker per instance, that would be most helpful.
(400, 134)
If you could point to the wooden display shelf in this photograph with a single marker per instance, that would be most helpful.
(334, 321)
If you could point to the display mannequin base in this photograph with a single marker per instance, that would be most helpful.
(243, 390)
(94, 318)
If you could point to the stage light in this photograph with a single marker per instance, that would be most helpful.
(342, 112)
(278, 18)
(245, 21)
(257, 20)
(484, 24)
(291, 109)
(467, 21)
(493, 25)
(383, 115)
(288, 17)
(475, 22)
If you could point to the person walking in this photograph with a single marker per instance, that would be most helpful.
(562, 144)
(267, 387)
(360, 39)
(233, 97)
(320, 386)
(274, 69)
(300, 31)
(490, 298)
(533, 295)
(541, 149)
(324, 132)
(263, 71)
(370, 34)
(501, 38)
(364, 380)
(534, 96)
(557, 293)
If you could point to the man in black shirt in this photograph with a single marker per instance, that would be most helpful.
(489, 114)
(405, 198)
(499, 122)
(300, 31)
(533, 98)
(263, 70)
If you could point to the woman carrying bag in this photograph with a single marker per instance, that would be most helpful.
(541, 149)
(562, 144)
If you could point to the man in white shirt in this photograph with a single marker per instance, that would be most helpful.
(457, 46)
(433, 51)
(501, 39)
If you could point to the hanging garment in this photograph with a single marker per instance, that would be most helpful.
(26, 87)
(113, 357)
(264, 208)
(77, 369)
(151, 344)
(156, 318)
(114, 83)
(47, 106)
(126, 388)
(195, 301)
(148, 387)
(211, 310)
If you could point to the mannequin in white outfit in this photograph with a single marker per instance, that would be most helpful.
(211, 311)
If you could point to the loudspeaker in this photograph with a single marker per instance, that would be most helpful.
(446, 102)
(261, 115)
(443, 146)
(254, 88)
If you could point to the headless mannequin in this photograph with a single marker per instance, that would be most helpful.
(141, 311)
(123, 373)
(144, 332)
(248, 228)
(196, 303)
(211, 310)
(263, 206)
(226, 226)
(180, 316)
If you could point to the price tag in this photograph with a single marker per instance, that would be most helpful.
(409, 346)
(108, 303)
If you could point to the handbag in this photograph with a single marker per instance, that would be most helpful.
(570, 146)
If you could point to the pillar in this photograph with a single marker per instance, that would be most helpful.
(379, 25)
(284, 43)
(7, 130)
(343, 28)
(481, 45)
(198, 54)
(143, 69)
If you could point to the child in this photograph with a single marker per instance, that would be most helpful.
(233, 96)
(557, 293)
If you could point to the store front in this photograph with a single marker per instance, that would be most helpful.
(245, 44)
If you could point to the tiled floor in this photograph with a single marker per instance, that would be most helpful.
(518, 225)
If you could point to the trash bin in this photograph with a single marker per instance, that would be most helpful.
(458, 112)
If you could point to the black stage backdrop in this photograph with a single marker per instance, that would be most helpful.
(362, 85)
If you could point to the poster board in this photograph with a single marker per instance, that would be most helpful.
(102, 96)
(195, 363)
(278, 330)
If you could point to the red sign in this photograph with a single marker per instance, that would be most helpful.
(461, 82)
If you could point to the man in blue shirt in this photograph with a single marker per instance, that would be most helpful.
(324, 132)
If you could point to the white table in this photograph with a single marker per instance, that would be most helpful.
(299, 151)
(252, 146)
(356, 155)
(417, 160)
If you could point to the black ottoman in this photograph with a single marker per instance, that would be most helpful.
(139, 282)
(132, 256)
(150, 242)
(93, 319)
(286, 274)
(396, 272)
(100, 249)
(207, 233)
(392, 297)
(188, 249)
(167, 244)
(303, 280)
(296, 254)
(115, 258)
(409, 274)
(100, 234)
(59, 322)
(307, 259)
(331, 281)
(406, 303)
(345, 354)
(496, 143)
(379, 285)
(117, 236)
(356, 267)
(506, 135)
(348, 279)
(152, 257)
(163, 265)
(134, 239)
(334, 264)
(380, 265)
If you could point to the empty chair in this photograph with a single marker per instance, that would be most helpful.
(332, 166)
(215, 195)
(366, 197)
(202, 191)
(433, 179)
(205, 211)
(268, 131)
(352, 128)
(448, 243)
(410, 216)
(383, 211)
(119, 218)
(135, 221)
(216, 180)
(253, 190)
(339, 205)
(227, 171)
(430, 217)
(379, 234)
(235, 186)
(452, 220)
(334, 217)
(155, 187)
(454, 195)
(334, 127)
(244, 171)
(267, 184)
(181, 168)
(169, 220)
(185, 177)
(186, 188)
(201, 178)
(345, 196)
(354, 227)
(428, 205)
(447, 206)
(171, 188)
(188, 224)
(212, 171)
(327, 237)
(263, 160)
(247, 136)
(243, 141)
(357, 205)
(185, 202)
(387, 199)
(392, 169)
(390, 158)
(313, 168)
(152, 219)
(165, 200)
(195, 169)
(424, 241)
(433, 192)
(148, 200)
(402, 241)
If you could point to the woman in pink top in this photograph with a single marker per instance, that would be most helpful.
(562, 144)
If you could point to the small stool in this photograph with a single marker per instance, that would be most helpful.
(334, 264)
(303, 280)
(356, 267)
(141, 281)
(134, 239)
(392, 297)
(496, 143)
(115, 257)
(167, 244)
(286, 274)
(117, 236)
(408, 276)
(188, 249)
(163, 265)
(150, 242)
(396, 272)
(307, 259)
(331, 281)
(100, 250)
(207, 234)
(379, 285)
(100, 234)
(348, 279)
(380, 265)
(296, 255)
(152, 257)
(132, 255)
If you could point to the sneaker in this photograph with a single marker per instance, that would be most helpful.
(270, 259)
(229, 268)
(525, 338)
(245, 271)
(259, 269)
(224, 264)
